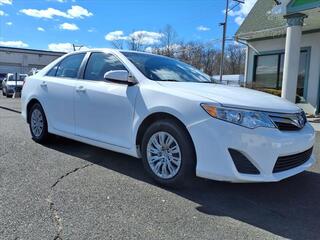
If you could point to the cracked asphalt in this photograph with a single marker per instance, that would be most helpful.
(70, 190)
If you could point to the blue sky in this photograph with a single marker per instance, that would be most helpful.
(55, 24)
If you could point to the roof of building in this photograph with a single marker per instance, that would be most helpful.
(262, 23)
(28, 50)
(260, 20)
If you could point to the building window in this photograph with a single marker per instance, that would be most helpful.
(268, 74)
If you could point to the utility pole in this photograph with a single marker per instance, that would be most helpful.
(224, 24)
(77, 46)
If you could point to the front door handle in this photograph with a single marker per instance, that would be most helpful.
(43, 84)
(80, 89)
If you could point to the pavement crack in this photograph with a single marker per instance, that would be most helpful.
(57, 220)
(70, 172)
(10, 109)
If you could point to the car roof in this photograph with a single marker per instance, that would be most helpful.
(109, 50)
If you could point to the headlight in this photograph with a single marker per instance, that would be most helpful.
(245, 118)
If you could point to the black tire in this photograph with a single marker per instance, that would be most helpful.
(44, 135)
(188, 156)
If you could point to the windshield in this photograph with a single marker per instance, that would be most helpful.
(11, 78)
(20, 78)
(159, 68)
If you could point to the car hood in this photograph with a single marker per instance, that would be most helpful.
(236, 97)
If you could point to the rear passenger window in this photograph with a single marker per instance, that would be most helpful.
(99, 64)
(69, 67)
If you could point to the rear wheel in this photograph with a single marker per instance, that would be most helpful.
(38, 124)
(168, 153)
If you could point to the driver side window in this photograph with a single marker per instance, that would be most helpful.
(99, 64)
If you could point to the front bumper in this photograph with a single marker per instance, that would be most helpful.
(12, 90)
(262, 146)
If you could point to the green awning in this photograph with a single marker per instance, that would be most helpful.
(302, 5)
(303, 2)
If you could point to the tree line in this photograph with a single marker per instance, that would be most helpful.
(202, 55)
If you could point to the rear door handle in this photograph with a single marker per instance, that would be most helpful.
(43, 84)
(80, 89)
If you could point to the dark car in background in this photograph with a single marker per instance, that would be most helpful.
(2, 77)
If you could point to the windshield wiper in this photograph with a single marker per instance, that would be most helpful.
(169, 80)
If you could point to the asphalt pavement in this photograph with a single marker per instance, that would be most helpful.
(70, 190)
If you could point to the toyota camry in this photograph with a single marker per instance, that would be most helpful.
(169, 114)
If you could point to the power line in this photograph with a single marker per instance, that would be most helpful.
(224, 25)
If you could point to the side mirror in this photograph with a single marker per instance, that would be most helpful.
(118, 76)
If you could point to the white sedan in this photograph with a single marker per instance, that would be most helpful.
(170, 115)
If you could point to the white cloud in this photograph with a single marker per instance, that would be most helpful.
(116, 35)
(74, 12)
(40, 29)
(79, 12)
(9, 23)
(203, 28)
(18, 44)
(60, 1)
(60, 47)
(69, 26)
(243, 11)
(2, 2)
(91, 30)
(143, 37)
(48, 13)
(146, 38)
(2, 13)
(239, 20)
(63, 47)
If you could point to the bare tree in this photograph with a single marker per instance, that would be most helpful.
(168, 40)
(118, 44)
(135, 41)
(235, 59)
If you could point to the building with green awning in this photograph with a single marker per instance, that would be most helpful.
(283, 49)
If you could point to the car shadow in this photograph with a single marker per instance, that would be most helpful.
(290, 209)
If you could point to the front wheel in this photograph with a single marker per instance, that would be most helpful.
(38, 124)
(168, 153)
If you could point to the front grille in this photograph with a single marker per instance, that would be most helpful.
(292, 161)
(289, 122)
(242, 163)
(18, 89)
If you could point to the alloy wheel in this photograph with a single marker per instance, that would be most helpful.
(164, 155)
(37, 123)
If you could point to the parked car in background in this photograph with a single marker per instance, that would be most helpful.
(169, 114)
(11, 85)
(2, 77)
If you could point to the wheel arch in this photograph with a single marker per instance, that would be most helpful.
(154, 117)
(29, 106)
